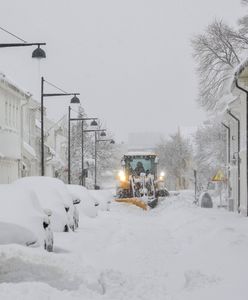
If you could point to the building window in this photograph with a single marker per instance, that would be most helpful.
(9, 121)
(6, 113)
(17, 119)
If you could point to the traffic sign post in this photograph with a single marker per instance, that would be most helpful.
(219, 177)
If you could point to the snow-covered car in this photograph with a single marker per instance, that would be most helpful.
(53, 195)
(11, 233)
(88, 204)
(103, 197)
(23, 219)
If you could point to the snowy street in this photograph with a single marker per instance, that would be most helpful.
(176, 251)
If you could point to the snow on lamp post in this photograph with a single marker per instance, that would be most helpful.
(62, 93)
(93, 124)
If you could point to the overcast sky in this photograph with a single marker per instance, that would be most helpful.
(130, 59)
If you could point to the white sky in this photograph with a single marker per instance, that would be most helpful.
(130, 60)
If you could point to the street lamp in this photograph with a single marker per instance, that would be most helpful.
(102, 133)
(228, 155)
(37, 53)
(93, 123)
(74, 100)
(238, 123)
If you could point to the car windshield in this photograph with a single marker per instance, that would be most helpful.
(137, 165)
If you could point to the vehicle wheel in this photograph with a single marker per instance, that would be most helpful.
(66, 228)
(50, 248)
(45, 246)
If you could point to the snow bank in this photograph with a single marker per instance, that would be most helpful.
(87, 202)
(103, 197)
(26, 274)
(51, 194)
(14, 234)
(21, 207)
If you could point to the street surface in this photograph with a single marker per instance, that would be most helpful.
(175, 251)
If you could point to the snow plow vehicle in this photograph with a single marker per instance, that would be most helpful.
(138, 180)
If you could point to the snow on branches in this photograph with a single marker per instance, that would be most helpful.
(217, 52)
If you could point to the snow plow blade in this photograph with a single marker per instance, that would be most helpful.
(136, 201)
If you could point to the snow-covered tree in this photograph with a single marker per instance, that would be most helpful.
(76, 146)
(210, 151)
(175, 156)
(217, 52)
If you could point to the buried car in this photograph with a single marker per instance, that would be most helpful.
(87, 204)
(53, 195)
(22, 219)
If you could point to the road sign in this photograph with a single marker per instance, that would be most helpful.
(219, 176)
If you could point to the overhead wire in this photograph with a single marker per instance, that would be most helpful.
(20, 39)
(56, 87)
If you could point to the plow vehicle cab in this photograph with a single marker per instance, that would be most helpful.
(138, 181)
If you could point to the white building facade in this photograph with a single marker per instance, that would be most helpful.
(236, 119)
(20, 137)
(12, 100)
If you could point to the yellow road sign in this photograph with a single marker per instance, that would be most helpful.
(219, 176)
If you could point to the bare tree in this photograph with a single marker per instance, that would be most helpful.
(244, 2)
(210, 150)
(175, 158)
(217, 52)
(243, 22)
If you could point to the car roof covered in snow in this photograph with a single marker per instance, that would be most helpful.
(140, 153)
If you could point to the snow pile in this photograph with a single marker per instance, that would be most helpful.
(176, 251)
(52, 194)
(14, 234)
(21, 207)
(87, 202)
(26, 274)
(103, 197)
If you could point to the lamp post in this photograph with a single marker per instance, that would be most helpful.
(238, 121)
(93, 123)
(246, 107)
(37, 53)
(228, 155)
(74, 100)
(101, 134)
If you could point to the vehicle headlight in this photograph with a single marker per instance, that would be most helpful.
(122, 176)
(162, 175)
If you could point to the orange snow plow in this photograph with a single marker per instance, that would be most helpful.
(136, 201)
(138, 180)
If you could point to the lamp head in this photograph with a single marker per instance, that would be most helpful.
(93, 123)
(39, 53)
(75, 100)
(103, 133)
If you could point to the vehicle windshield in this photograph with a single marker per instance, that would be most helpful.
(140, 164)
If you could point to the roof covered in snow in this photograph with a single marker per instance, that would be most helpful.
(13, 86)
(139, 153)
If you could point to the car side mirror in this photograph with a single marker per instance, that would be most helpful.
(48, 212)
(76, 201)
